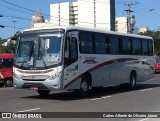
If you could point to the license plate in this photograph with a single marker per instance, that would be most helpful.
(33, 88)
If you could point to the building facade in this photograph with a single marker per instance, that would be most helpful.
(87, 13)
(64, 13)
(122, 25)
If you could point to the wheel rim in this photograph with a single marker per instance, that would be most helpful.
(84, 86)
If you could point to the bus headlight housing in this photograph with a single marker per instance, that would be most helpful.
(16, 76)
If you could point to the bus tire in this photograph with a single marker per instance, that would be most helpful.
(8, 82)
(133, 80)
(43, 92)
(84, 87)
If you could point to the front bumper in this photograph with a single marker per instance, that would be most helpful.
(47, 84)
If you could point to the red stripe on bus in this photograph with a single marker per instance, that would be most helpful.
(99, 66)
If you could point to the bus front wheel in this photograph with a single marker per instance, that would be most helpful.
(43, 92)
(84, 87)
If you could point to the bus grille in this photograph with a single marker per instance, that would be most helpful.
(39, 85)
(34, 79)
(34, 72)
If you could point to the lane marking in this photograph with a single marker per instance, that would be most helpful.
(146, 89)
(29, 110)
(101, 98)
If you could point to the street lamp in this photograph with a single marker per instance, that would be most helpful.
(151, 9)
(14, 26)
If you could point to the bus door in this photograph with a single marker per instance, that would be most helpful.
(71, 70)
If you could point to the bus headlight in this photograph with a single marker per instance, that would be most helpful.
(54, 76)
(16, 76)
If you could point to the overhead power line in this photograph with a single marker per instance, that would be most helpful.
(17, 17)
(1, 26)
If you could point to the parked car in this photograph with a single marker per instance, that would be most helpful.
(157, 64)
(6, 69)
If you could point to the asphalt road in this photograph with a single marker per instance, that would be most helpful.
(145, 98)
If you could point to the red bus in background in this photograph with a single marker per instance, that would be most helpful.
(6, 69)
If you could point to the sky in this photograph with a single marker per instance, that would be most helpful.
(147, 13)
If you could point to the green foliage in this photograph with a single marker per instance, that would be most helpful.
(156, 37)
(10, 48)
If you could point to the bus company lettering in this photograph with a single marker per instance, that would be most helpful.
(90, 60)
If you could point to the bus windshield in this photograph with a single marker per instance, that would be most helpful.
(39, 50)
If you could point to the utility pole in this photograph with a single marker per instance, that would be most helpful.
(129, 11)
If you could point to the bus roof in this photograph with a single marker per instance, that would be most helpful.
(5, 56)
(86, 29)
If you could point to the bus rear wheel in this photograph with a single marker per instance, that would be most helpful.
(133, 81)
(43, 92)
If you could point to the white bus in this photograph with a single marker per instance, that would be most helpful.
(76, 58)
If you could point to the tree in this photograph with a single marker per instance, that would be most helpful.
(11, 46)
(156, 37)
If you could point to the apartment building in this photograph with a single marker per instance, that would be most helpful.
(88, 13)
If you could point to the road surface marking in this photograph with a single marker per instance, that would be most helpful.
(29, 110)
(146, 89)
(101, 98)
